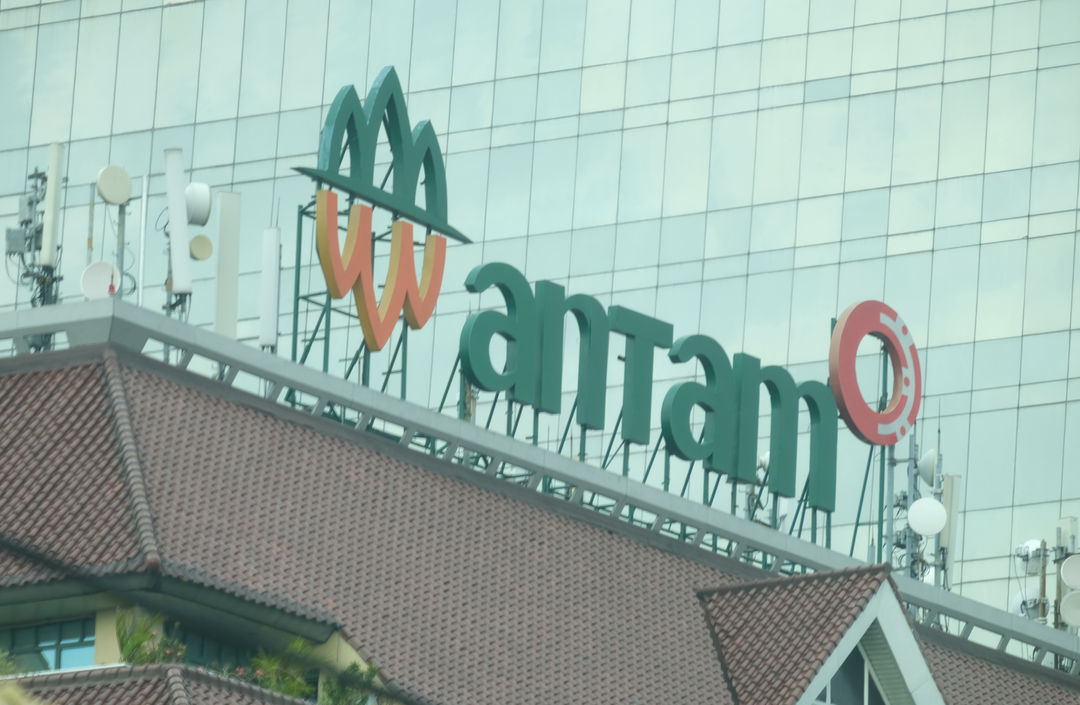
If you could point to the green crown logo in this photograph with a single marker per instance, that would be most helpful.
(354, 127)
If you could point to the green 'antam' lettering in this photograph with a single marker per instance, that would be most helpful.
(643, 333)
(593, 328)
(532, 328)
(517, 327)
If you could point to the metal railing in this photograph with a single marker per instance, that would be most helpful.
(621, 500)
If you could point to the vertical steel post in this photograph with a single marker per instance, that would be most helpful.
(881, 472)
(911, 543)
(887, 489)
(121, 223)
(404, 357)
(296, 282)
(326, 335)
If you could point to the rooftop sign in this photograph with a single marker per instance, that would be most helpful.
(532, 325)
(354, 127)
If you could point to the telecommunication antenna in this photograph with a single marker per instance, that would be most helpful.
(187, 204)
(114, 187)
(35, 243)
(100, 280)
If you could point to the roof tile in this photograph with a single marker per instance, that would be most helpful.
(801, 617)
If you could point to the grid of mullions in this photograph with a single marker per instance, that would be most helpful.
(741, 169)
(46, 647)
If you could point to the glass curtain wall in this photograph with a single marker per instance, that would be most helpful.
(744, 169)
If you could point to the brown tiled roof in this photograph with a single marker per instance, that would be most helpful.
(160, 684)
(801, 618)
(969, 674)
(459, 594)
(460, 590)
(64, 490)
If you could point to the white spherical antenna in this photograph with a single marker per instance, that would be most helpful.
(927, 516)
(1070, 572)
(1070, 609)
(100, 280)
(1028, 557)
(114, 185)
(198, 198)
(926, 466)
(201, 248)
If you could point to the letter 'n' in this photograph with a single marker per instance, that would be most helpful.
(552, 307)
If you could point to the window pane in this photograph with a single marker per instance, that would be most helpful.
(824, 142)
(264, 41)
(778, 139)
(732, 161)
(136, 71)
(686, 170)
(562, 35)
(915, 149)
(870, 136)
(181, 30)
(552, 200)
(54, 81)
(595, 194)
(1001, 290)
(76, 657)
(219, 68)
(301, 82)
(651, 22)
(963, 128)
(508, 191)
(519, 38)
(17, 56)
(1008, 132)
(641, 177)
(953, 294)
(474, 40)
(95, 72)
(1049, 281)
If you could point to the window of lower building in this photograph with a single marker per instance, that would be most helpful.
(47, 647)
(853, 684)
(203, 650)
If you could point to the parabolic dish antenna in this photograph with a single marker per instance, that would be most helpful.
(114, 185)
(100, 280)
(1070, 572)
(201, 247)
(1070, 609)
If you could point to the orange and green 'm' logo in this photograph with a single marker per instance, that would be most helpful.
(354, 128)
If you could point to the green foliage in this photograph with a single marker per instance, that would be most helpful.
(142, 639)
(285, 672)
(351, 687)
(8, 666)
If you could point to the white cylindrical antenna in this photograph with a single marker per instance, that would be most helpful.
(178, 222)
(228, 263)
(268, 300)
(52, 206)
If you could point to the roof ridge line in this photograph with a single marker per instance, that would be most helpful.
(174, 685)
(787, 580)
(134, 478)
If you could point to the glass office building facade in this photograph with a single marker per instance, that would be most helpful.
(740, 168)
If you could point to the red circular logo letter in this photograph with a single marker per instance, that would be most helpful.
(879, 320)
